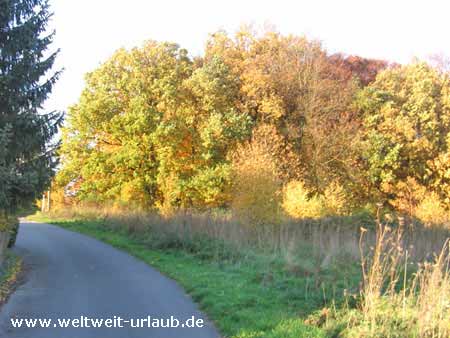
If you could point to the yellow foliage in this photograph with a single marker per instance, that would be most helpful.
(298, 204)
(430, 210)
(416, 201)
(58, 198)
(409, 194)
(168, 191)
(335, 199)
(256, 183)
(132, 193)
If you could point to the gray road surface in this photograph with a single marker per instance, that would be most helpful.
(71, 275)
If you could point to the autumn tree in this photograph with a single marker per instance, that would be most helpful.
(157, 128)
(291, 83)
(364, 70)
(154, 128)
(194, 140)
(109, 144)
(406, 129)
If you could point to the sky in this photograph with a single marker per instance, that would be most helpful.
(89, 31)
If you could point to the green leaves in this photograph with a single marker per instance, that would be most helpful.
(152, 128)
(407, 120)
(156, 128)
(27, 155)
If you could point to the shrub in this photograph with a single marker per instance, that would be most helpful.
(414, 200)
(409, 194)
(256, 183)
(335, 199)
(10, 224)
(298, 203)
(431, 211)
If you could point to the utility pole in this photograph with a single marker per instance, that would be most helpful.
(48, 203)
(43, 203)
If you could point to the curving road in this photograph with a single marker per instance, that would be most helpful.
(71, 275)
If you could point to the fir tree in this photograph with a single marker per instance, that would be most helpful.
(26, 156)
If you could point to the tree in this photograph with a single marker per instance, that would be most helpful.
(195, 141)
(406, 129)
(109, 145)
(26, 158)
(154, 129)
(441, 62)
(365, 70)
(291, 83)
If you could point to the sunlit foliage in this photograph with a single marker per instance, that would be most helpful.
(256, 179)
(263, 123)
(406, 129)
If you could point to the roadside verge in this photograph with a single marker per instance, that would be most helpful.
(241, 300)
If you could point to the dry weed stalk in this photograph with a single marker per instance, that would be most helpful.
(389, 299)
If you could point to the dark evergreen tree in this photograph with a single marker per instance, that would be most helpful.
(26, 153)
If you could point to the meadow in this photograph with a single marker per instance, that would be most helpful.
(313, 278)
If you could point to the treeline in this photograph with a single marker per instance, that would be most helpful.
(264, 124)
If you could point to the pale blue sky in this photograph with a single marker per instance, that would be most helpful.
(89, 31)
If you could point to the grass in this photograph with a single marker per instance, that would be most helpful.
(9, 275)
(253, 296)
(398, 298)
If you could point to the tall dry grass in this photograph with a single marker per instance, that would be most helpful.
(326, 237)
(399, 298)
(433, 299)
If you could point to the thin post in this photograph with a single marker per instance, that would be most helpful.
(48, 203)
(43, 203)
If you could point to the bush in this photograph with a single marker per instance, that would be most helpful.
(298, 203)
(335, 200)
(427, 206)
(13, 231)
(11, 225)
(431, 212)
(256, 183)
(409, 194)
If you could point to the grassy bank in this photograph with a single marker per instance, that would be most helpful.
(253, 295)
(10, 276)
(260, 283)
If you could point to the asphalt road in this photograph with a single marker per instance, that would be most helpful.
(71, 275)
